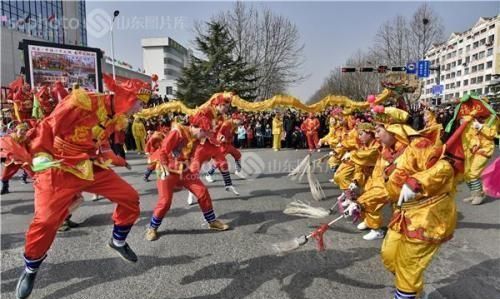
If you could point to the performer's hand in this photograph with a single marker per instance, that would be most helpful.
(477, 125)
(351, 209)
(406, 194)
(128, 166)
(353, 187)
(319, 144)
(331, 153)
(346, 156)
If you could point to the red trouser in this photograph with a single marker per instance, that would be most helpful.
(220, 160)
(312, 140)
(9, 171)
(205, 152)
(55, 192)
(191, 182)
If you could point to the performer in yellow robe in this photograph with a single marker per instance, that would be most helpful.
(375, 196)
(421, 185)
(349, 141)
(277, 130)
(139, 133)
(336, 131)
(478, 128)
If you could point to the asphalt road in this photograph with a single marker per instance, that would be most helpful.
(189, 261)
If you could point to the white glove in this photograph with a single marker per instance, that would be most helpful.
(331, 153)
(346, 156)
(477, 125)
(406, 194)
(353, 187)
(339, 144)
(351, 209)
(319, 144)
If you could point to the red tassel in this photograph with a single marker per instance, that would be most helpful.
(318, 236)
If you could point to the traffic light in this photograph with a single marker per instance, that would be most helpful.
(367, 69)
(398, 69)
(348, 69)
(382, 69)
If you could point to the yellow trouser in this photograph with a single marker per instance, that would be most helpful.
(474, 165)
(343, 176)
(139, 144)
(407, 259)
(276, 141)
(372, 201)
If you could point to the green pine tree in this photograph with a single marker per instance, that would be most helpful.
(221, 71)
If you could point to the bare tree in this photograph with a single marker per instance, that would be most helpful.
(392, 42)
(268, 42)
(426, 28)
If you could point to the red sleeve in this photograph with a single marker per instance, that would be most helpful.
(173, 139)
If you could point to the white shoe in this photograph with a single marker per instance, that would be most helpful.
(96, 197)
(209, 178)
(240, 174)
(331, 181)
(362, 226)
(374, 234)
(319, 150)
(232, 189)
(191, 199)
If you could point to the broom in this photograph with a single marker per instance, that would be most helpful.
(287, 246)
(302, 209)
(307, 166)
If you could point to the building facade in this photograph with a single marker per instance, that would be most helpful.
(62, 22)
(467, 62)
(166, 58)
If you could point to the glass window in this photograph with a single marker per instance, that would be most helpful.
(489, 64)
(458, 83)
(459, 73)
(474, 69)
(466, 71)
(466, 82)
(487, 78)
(489, 52)
(473, 81)
(480, 79)
(480, 67)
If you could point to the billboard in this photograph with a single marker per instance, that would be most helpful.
(46, 63)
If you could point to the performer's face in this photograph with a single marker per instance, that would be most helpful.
(365, 137)
(386, 138)
(223, 108)
(198, 133)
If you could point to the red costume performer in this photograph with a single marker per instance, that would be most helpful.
(176, 152)
(12, 145)
(70, 156)
(210, 148)
(310, 127)
(23, 103)
(152, 146)
(44, 104)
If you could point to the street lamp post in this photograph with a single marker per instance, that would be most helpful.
(115, 14)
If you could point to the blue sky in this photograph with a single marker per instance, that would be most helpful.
(331, 31)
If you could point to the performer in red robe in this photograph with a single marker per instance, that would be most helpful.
(69, 157)
(176, 155)
(310, 127)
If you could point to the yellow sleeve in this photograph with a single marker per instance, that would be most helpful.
(365, 157)
(489, 131)
(423, 169)
(351, 140)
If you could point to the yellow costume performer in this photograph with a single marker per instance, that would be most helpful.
(139, 133)
(473, 141)
(375, 196)
(277, 131)
(423, 184)
(349, 141)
